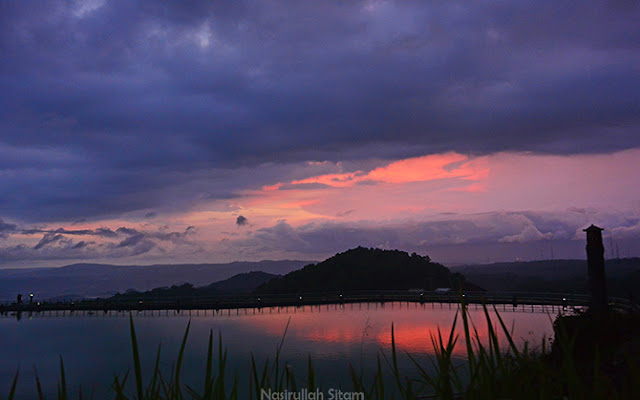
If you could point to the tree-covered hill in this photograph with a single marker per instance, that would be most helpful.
(368, 269)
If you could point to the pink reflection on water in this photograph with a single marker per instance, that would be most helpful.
(355, 325)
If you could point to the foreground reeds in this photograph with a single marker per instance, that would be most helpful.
(490, 371)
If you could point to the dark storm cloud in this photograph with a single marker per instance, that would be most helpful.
(115, 107)
(241, 220)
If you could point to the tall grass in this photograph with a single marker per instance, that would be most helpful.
(492, 371)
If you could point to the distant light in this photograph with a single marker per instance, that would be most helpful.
(564, 299)
(31, 295)
(300, 297)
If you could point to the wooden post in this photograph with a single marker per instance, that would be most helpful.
(595, 262)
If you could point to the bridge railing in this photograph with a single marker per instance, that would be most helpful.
(287, 299)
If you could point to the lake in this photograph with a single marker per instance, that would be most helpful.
(95, 347)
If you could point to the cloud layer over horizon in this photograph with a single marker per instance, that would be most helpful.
(256, 122)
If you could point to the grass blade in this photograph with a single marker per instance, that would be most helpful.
(62, 389)
(119, 387)
(179, 362)
(208, 378)
(38, 386)
(14, 384)
(136, 359)
(156, 372)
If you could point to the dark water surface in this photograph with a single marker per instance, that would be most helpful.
(95, 347)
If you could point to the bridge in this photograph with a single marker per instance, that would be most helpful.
(515, 300)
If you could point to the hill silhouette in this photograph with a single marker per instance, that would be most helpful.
(368, 269)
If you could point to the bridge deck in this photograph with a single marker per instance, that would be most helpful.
(514, 299)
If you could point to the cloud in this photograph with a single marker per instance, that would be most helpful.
(241, 221)
(82, 244)
(59, 244)
(134, 236)
(127, 231)
(530, 233)
(6, 228)
(175, 237)
(302, 186)
(416, 169)
(102, 232)
(464, 231)
(345, 213)
(50, 238)
(132, 104)
(132, 240)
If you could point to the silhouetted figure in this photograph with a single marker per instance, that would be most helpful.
(19, 299)
(595, 262)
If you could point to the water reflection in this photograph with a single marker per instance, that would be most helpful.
(96, 346)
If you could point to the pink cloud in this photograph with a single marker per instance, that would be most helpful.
(417, 169)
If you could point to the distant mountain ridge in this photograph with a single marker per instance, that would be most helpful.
(244, 282)
(567, 276)
(93, 280)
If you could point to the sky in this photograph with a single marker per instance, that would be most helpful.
(137, 132)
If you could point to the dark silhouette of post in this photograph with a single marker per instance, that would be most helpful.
(595, 262)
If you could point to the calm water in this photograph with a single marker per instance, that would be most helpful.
(96, 347)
